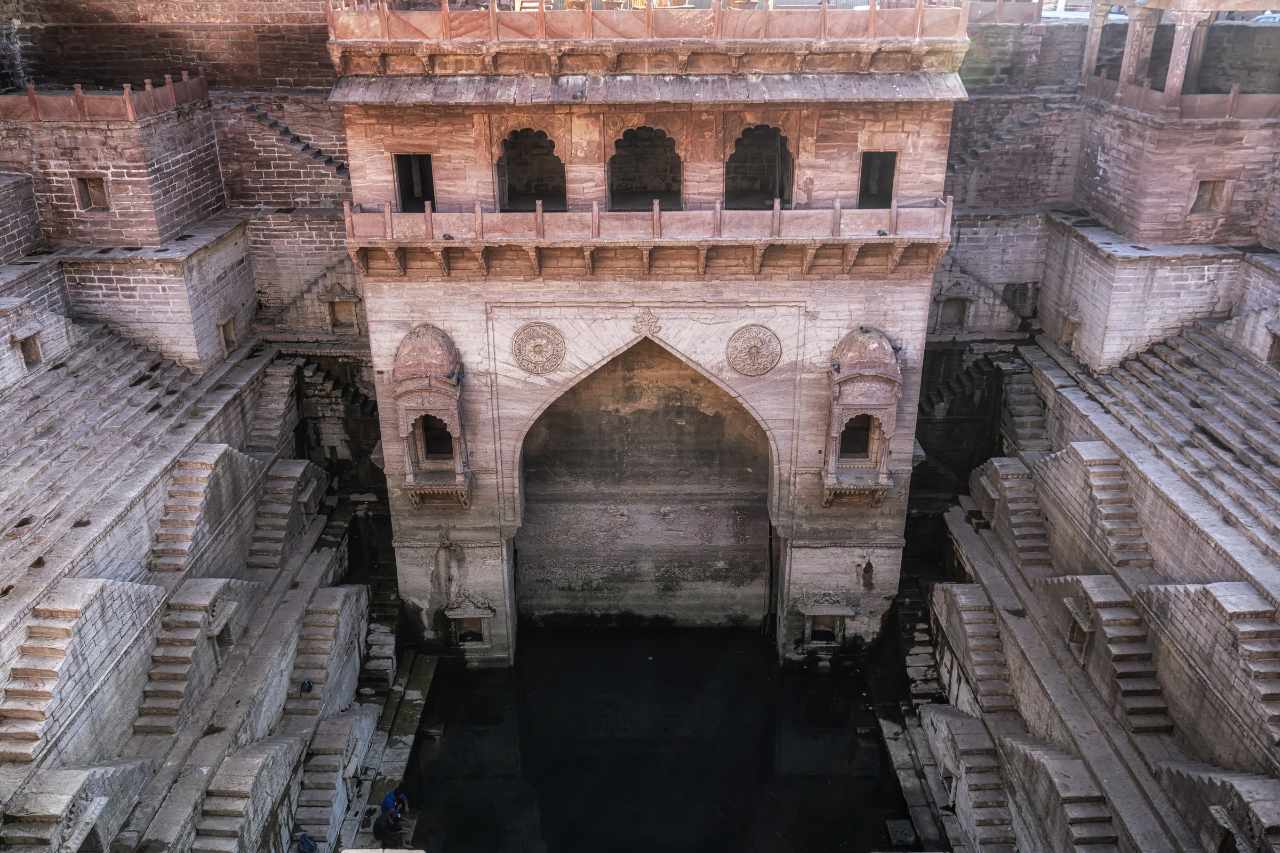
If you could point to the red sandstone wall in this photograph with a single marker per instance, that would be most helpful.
(290, 248)
(235, 42)
(823, 140)
(1269, 230)
(1140, 178)
(1015, 143)
(263, 168)
(19, 226)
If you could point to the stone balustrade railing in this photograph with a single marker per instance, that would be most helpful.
(1233, 105)
(928, 221)
(721, 21)
(127, 105)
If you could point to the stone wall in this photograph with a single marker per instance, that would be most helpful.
(174, 303)
(995, 264)
(32, 302)
(160, 174)
(1269, 227)
(19, 224)
(1140, 176)
(291, 248)
(1256, 324)
(1105, 300)
(1016, 141)
(646, 491)
(263, 166)
(234, 42)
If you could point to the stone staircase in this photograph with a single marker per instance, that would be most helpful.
(321, 779)
(1252, 620)
(1074, 804)
(31, 686)
(963, 392)
(276, 508)
(992, 825)
(1116, 516)
(242, 794)
(1213, 415)
(982, 638)
(1141, 702)
(109, 407)
(335, 279)
(183, 507)
(1024, 420)
(311, 661)
(1030, 537)
(916, 635)
(271, 430)
(37, 827)
(172, 660)
(295, 141)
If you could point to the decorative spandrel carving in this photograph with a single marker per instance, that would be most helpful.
(647, 323)
(538, 348)
(753, 350)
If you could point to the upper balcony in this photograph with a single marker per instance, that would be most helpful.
(553, 37)
(819, 241)
(127, 104)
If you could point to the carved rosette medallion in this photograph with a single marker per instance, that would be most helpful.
(538, 348)
(753, 350)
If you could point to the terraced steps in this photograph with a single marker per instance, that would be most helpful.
(31, 686)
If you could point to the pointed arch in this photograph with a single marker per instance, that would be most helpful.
(516, 455)
(529, 170)
(645, 166)
(759, 170)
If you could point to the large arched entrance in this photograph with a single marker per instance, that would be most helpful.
(645, 500)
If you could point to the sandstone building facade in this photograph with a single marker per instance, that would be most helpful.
(701, 315)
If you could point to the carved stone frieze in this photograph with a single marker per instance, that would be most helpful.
(647, 323)
(538, 348)
(753, 350)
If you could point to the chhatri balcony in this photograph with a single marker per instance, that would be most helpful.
(570, 37)
(829, 242)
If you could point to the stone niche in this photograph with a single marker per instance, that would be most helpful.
(866, 384)
(427, 385)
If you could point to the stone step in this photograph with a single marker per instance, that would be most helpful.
(1257, 650)
(170, 672)
(50, 628)
(214, 844)
(160, 706)
(1093, 832)
(1150, 723)
(12, 708)
(173, 654)
(30, 688)
(1129, 651)
(164, 690)
(28, 832)
(216, 806)
(20, 752)
(156, 725)
(319, 781)
(998, 816)
(168, 563)
(21, 729)
(29, 666)
(1138, 686)
(1087, 812)
(1257, 629)
(45, 647)
(1143, 704)
(218, 826)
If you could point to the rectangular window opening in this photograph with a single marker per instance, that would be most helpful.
(414, 182)
(953, 311)
(31, 354)
(1210, 197)
(227, 331)
(855, 438)
(342, 314)
(91, 193)
(1273, 355)
(470, 629)
(875, 183)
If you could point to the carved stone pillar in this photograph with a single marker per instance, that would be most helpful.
(1097, 20)
(1137, 45)
(1188, 51)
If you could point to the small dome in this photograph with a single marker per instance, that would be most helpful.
(865, 352)
(427, 353)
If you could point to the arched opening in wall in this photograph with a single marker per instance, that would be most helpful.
(529, 170)
(645, 495)
(759, 170)
(433, 443)
(856, 439)
(644, 167)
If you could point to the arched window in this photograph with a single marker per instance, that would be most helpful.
(435, 442)
(644, 166)
(529, 170)
(855, 438)
(758, 171)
